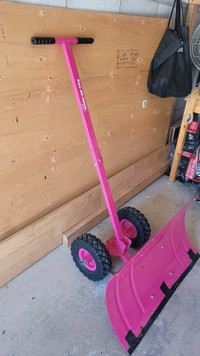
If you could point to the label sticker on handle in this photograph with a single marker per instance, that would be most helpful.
(84, 106)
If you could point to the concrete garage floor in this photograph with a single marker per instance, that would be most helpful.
(52, 309)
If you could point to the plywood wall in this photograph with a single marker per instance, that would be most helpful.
(44, 156)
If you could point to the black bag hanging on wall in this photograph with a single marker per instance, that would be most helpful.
(170, 71)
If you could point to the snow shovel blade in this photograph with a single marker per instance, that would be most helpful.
(138, 292)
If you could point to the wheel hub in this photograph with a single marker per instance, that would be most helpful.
(129, 230)
(84, 262)
(87, 259)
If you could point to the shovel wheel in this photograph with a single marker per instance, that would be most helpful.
(91, 257)
(139, 223)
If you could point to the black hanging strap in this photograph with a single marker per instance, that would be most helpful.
(177, 4)
(171, 13)
(178, 18)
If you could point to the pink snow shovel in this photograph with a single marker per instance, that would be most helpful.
(139, 291)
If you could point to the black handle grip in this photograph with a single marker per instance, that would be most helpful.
(86, 40)
(43, 40)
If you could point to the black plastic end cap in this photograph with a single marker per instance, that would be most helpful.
(42, 40)
(86, 40)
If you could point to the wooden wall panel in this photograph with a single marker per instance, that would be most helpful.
(44, 156)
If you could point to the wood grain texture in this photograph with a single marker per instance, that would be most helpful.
(178, 151)
(192, 102)
(44, 155)
(197, 106)
(194, 2)
(24, 248)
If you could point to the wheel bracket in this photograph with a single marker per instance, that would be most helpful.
(117, 247)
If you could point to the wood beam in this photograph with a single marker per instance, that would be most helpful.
(24, 248)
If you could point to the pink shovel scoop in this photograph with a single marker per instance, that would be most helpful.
(139, 291)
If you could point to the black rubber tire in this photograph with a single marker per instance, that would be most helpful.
(98, 251)
(139, 221)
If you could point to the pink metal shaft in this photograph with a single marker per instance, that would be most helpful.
(95, 151)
